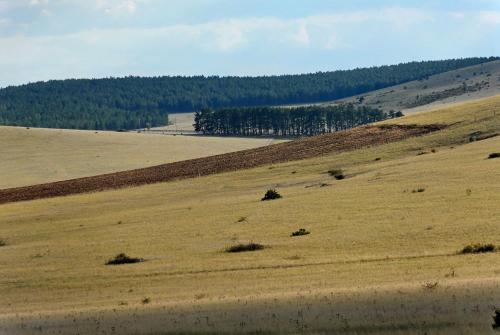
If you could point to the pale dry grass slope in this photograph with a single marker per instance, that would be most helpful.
(35, 156)
(380, 258)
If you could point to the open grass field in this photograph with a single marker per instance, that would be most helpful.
(381, 257)
(34, 156)
(290, 151)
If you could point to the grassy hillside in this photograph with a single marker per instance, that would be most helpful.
(371, 263)
(34, 156)
(437, 91)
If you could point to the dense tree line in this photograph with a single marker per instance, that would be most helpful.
(137, 102)
(278, 121)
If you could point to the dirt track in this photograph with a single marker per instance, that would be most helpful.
(278, 153)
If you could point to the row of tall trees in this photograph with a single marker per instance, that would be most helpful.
(137, 102)
(275, 121)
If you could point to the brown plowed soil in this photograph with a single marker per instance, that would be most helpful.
(295, 150)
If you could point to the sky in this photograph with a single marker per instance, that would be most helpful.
(58, 39)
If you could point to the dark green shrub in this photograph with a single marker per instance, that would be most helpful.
(478, 248)
(300, 232)
(2, 243)
(245, 247)
(337, 174)
(494, 155)
(271, 194)
(123, 259)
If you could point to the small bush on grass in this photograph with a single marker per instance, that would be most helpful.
(418, 190)
(271, 194)
(300, 232)
(337, 174)
(431, 285)
(494, 155)
(478, 248)
(245, 247)
(2, 243)
(496, 320)
(123, 259)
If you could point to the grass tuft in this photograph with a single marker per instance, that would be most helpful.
(300, 232)
(2, 243)
(245, 247)
(337, 174)
(431, 285)
(123, 259)
(478, 248)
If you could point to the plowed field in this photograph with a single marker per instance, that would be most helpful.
(279, 153)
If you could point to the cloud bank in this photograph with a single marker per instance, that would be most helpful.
(125, 43)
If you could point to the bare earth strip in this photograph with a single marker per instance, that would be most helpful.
(283, 152)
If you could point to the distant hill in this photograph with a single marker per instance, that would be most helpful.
(136, 102)
(460, 85)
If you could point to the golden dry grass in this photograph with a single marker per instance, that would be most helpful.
(369, 231)
(34, 156)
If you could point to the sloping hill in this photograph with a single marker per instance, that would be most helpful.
(382, 257)
(461, 85)
(278, 153)
(35, 156)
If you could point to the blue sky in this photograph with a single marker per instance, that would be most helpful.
(57, 39)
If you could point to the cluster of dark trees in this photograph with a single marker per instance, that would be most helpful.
(279, 121)
(137, 102)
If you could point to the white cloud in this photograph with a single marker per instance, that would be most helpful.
(117, 7)
(322, 31)
(46, 12)
(302, 35)
(115, 51)
(489, 17)
(457, 15)
(332, 42)
(39, 2)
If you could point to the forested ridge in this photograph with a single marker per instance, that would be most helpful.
(279, 121)
(138, 102)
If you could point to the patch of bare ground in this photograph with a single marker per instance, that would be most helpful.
(290, 151)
